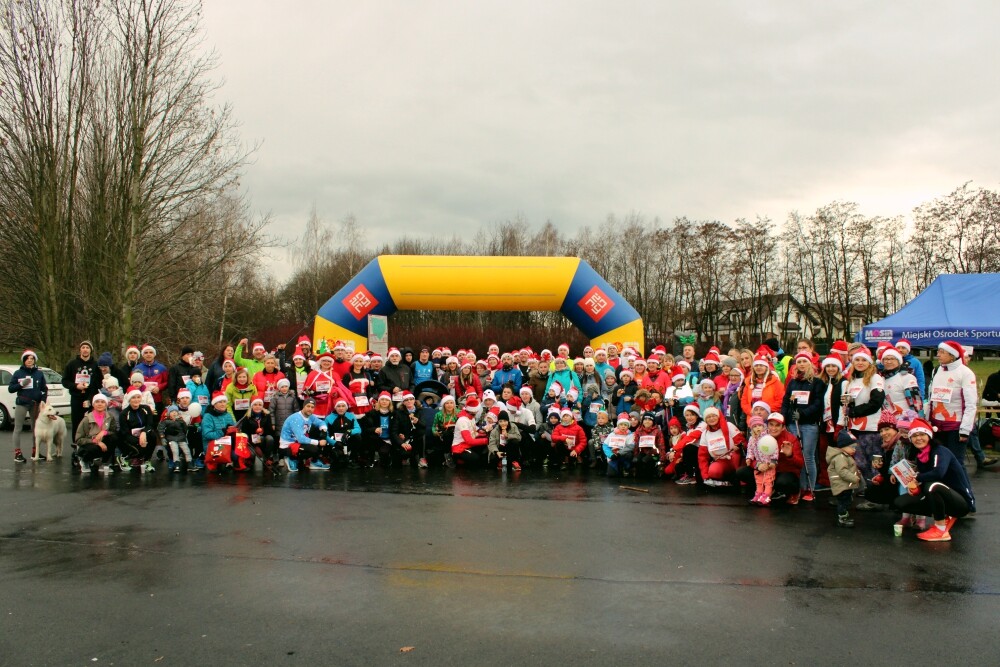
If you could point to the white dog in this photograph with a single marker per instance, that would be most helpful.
(50, 429)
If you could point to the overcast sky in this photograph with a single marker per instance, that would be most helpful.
(439, 117)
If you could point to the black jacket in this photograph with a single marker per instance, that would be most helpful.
(175, 378)
(80, 367)
(398, 375)
(812, 411)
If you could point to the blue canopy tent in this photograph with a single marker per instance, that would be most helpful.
(963, 308)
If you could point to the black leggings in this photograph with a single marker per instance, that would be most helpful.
(89, 453)
(305, 452)
(938, 501)
(472, 457)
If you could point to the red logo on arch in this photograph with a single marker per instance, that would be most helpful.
(360, 302)
(596, 303)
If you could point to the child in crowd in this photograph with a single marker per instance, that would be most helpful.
(618, 447)
(174, 429)
(844, 475)
(762, 460)
(116, 397)
(602, 428)
(137, 381)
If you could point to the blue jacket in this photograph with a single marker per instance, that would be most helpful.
(423, 372)
(566, 378)
(39, 391)
(502, 377)
(336, 424)
(214, 424)
(296, 429)
(918, 372)
(590, 418)
(198, 390)
(944, 467)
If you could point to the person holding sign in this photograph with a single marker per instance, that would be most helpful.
(802, 408)
(649, 444)
(568, 441)
(77, 378)
(953, 398)
(28, 385)
(940, 487)
(343, 434)
(719, 453)
(618, 447)
(505, 442)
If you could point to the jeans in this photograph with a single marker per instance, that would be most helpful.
(808, 435)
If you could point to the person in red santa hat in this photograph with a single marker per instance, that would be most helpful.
(469, 445)
(325, 387)
(953, 398)
(358, 382)
(719, 453)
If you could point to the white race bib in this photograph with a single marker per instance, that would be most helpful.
(595, 408)
(854, 391)
(570, 440)
(255, 438)
(800, 397)
(268, 395)
(323, 387)
(361, 400)
(136, 432)
(616, 441)
(716, 443)
(27, 383)
(150, 385)
(223, 441)
(202, 400)
(647, 442)
(241, 404)
(83, 378)
(941, 394)
(337, 437)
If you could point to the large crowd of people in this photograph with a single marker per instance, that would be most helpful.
(776, 427)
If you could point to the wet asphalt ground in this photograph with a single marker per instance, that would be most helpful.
(442, 567)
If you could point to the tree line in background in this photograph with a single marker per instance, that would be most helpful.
(122, 220)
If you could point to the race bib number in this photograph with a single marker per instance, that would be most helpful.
(268, 395)
(716, 443)
(854, 391)
(757, 393)
(203, 400)
(241, 404)
(941, 394)
(361, 400)
(616, 441)
(647, 442)
(570, 440)
(255, 438)
(223, 441)
(595, 408)
(323, 387)
(83, 378)
(337, 437)
(150, 386)
(396, 398)
(800, 397)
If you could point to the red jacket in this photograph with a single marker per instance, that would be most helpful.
(327, 389)
(560, 433)
(267, 384)
(793, 463)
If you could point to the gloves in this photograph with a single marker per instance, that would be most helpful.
(322, 428)
(314, 443)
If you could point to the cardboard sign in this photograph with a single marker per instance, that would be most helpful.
(150, 386)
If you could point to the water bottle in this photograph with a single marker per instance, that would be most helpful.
(503, 461)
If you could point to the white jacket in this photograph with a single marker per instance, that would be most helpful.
(953, 398)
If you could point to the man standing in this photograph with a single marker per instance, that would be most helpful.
(80, 378)
(156, 376)
(180, 373)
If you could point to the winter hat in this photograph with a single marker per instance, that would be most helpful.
(761, 360)
(357, 357)
(464, 366)
(489, 394)
(845, 439)
(553, 411)
(776, 417)
(515, 403)
(28, 353)
(451, 360)
(627, 372)
(683, 363)
(730, 363)
(183, 393)
(755, 421)
(600, 352)
(648, 415)
(692, 407)
(834, 360)
(503, 416)
(920, 425)
(447, 398)
(881, 348)
(674, 423)
(309, 400)
(678, 375)
(132, 348)
(712, 410)
(623, 418)
(110, 382)
(887, 419)
(88, 343)
(230, 362)
(257, 400)
(339, 402)
(136, 377)
(905, 344)
(393, 352)
(804, 355)
(303, 340)
(481, 362)
(408, 394)
(133, 392)
(761, 404)
(283, 382)
(147, 346)
(712, 358)
(375, 357)
(219, 397)
(172, 408)
(105, 360)
(707, 382)
(98, 397)
(893, 353)
(565, 412)
(862, 353)
(639, 362)
(839, 346)
(953, 348)
(557, 386)
(472, 404)
(384, 394)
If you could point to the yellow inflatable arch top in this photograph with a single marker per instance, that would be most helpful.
(428, 282)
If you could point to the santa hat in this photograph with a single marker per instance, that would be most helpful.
(683, 363)
(384, 394)
(219, 397)
(325, 355)
(465, 365)
(447, 398)
(892, 352)
(130, 348)
(99, 397)
(357, 357)
(147, 346)
(692, 407)
(492, 357)
(298, 355)
(375, 357)
(284, 382)
(28, 353)
(905, 344)
(761, 360)
(659, 349)
(545, 354)
(450, 360)
(761, 404)
(183, 393)
(408, 394)
(953, 348)
(639, 362)
(304, 340)
(493, 346)
(623, 419)
(259, 346)
(834, 360)
(136, 392)
(139, 377)
(881, 348)
(339, 345)
(712, 410)
(804, 355)
(565, 412)
(776, 417)
(394, 351)
(553, 410)
(678, 375)
(515, 403)
(862, 353)
(557, 386)
(627, 372)
(712, 358)
(840, 346)
(526, 388)
(339, 401)
(920, 425)
(481, 362)
(563, 346)
(257, 400)
(600, 351)
(472, 404)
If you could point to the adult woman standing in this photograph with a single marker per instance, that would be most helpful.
(902, 392)
(862, 406)
(802, 408)
(216, 371)
(28, 383)
(953, 399)
(763, 384)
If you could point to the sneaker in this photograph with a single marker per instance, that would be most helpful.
(867, 506)
(686, 480)
(19, 457)
(987, 462)
(147, 467)
(949, 522)
(293, 466)
(756, 498)
(199, 464)
(775, 497)
(449, 461)
(845, 521)
(172, 466)
(765, 500)
(316, 464)
(515, 465)
(422, 463)
(77, 468)
(794, 500)
(934, 534)
(808, 496)
(123, 465)
(712, 483)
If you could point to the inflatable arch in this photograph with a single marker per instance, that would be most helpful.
(421, 282)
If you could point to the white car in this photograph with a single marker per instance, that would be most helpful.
(58, 396)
